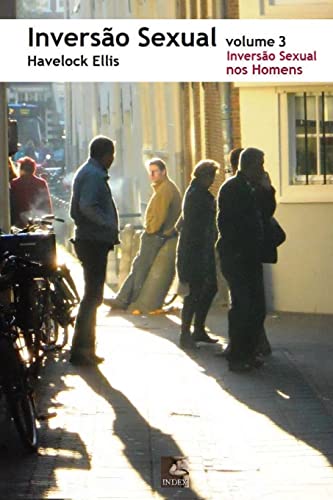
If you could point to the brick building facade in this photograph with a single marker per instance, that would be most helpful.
(202, 103)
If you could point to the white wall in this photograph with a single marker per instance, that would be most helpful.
(303, 278)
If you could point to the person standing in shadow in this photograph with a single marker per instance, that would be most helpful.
(96, 233)
(245, 201)
(233, 161)
(196, 265)
(265, 195)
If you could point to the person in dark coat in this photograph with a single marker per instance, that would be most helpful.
(233, 160)
(196, 254)
(245, 202)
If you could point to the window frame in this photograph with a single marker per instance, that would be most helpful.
(48, 6)
(318, 134)
(59, 7)
(296, 193)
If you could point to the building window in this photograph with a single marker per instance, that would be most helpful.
(296, 2)
(44, 6)
(311, 129)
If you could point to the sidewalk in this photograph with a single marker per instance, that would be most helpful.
(267, 434)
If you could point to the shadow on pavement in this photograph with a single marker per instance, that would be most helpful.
(137, 436)
(279, 390)
(30, 476)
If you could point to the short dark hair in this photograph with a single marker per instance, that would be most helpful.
(250, 159)
(27, 164)
(101, 145)
(158, 162)
(234, 158)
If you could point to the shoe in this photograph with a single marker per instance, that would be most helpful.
(85, 359)
(114, 304)
(202, 336)
(240, 366)
(257, 362)
(186, 341)
(263, 347)
(224, 353)
(264, 350)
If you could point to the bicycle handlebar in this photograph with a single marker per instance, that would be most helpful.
(48, 218)
(36, 223)
(8, 258)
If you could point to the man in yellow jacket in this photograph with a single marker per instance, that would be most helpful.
(161, 215)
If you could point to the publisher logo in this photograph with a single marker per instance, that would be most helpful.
(175, 472)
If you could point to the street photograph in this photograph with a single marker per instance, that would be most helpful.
(166, 309)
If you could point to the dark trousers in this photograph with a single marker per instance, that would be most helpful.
(197, 304)
(247, 309)
(93, 256)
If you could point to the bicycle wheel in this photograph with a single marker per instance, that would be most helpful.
(19, 397)
(49, 333)
(23, 411)
(49, 328)
(33, 345)
(63, 336)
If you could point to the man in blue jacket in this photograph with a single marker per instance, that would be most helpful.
(96, 232)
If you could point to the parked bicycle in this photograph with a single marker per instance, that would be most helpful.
(45, 298)
(15, 386)
(60, 296)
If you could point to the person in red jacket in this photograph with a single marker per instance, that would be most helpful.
(29, 194)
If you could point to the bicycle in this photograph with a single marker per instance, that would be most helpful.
(15, 383)
(60, 296)
(46, 298)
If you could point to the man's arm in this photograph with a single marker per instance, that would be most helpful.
(237, 222)
(227, 217)
(265, 194)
